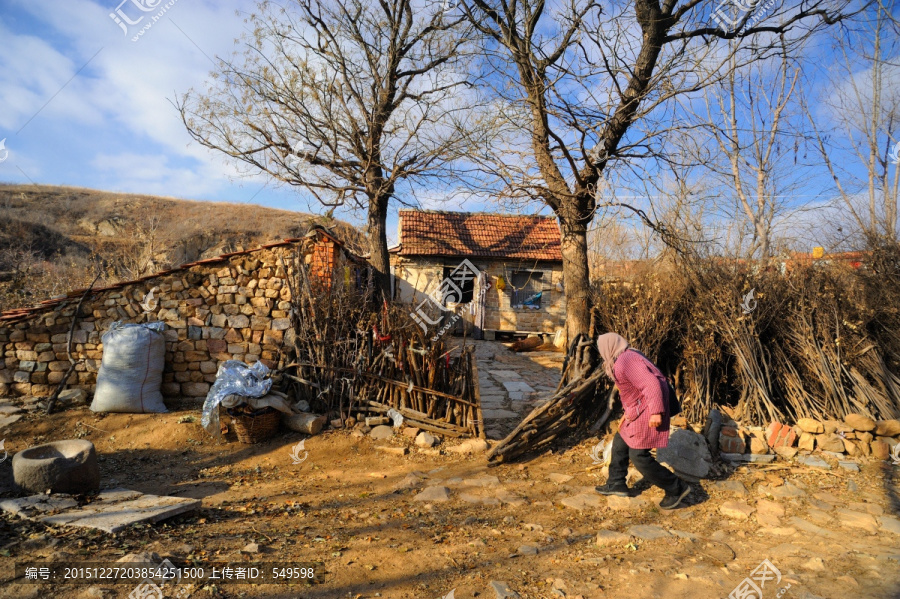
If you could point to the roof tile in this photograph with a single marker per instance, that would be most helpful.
(433, 233)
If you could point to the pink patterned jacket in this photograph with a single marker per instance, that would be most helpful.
(644, 392)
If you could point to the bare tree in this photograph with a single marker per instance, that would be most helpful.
(598, 83)
(752, 118)
(354, 101)
(862, 103)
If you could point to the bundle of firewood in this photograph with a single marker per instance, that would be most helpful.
(576, 401)
(352, 356)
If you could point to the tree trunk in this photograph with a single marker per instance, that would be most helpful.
(378, 249)
(575, 277)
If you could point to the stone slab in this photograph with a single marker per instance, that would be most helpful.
(505, 375)
(813, 462)
(111, 511)
(648, 532)
(518, 387)
(749, 458)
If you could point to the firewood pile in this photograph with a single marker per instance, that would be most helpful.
(582, 392)
(352, 357)
(817, 340)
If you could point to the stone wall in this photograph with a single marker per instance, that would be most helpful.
(232, 307)
(417, 277)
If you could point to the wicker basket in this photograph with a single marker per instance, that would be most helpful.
(255, 426)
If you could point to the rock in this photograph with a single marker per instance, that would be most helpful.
(410, 481)
(470, 498)
(887, 428)
(311, 424)
(411, 432)
(737, 510)
(810, 425)
(68, 466)
(250, 548)
(889, 524)
(73, 396)
(832, 426)
(769, 513)
(850, 447)
(9, 420)
(471, 446)
(807, 442)
(786, 452)
(816, 564)
(381, 432)
(648, 532)
(758, 446)
(813, 462)
(731, 486)
(433, 494)
(856, 519)
(527, 550)
(605, 538)
(502, 590)
(625, 503)
(865, 437)
(832, 442)
(858, 422)
(560, 478)
(687, 452)
(583, 501)
(337, 423)
(849, 466)
(426, 439)
(481, 481)
(880, 450)
(749, 458)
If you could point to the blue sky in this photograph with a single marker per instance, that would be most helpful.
(84, 105)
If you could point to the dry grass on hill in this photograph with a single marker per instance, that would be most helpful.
(53, 239)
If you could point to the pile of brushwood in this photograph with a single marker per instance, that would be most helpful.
(777, 341)
(352, 356)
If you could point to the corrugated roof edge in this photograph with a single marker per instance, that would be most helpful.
(18, 314)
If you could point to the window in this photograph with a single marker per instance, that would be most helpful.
(463, 279)
(526, 289)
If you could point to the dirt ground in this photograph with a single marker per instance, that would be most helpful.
(350, 510)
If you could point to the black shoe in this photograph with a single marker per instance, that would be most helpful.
(672, 501)
(620, 489)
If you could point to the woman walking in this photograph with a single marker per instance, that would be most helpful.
(645, 397)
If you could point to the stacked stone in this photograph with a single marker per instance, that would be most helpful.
(856, 435)
(234, 309)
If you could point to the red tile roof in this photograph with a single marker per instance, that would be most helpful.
(432, 233)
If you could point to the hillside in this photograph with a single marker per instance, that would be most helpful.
(53, 238)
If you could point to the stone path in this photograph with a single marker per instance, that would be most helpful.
(512, 384)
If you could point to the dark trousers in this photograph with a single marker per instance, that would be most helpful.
(652, 471)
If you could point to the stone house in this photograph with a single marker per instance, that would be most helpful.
(516, 281)
(235, 306)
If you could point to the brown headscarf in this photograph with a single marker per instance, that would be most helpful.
(610, 345)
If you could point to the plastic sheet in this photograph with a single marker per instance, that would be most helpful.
(234, 378)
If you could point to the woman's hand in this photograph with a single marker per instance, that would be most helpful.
(655, 420)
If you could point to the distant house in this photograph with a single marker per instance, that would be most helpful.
(517, 283)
